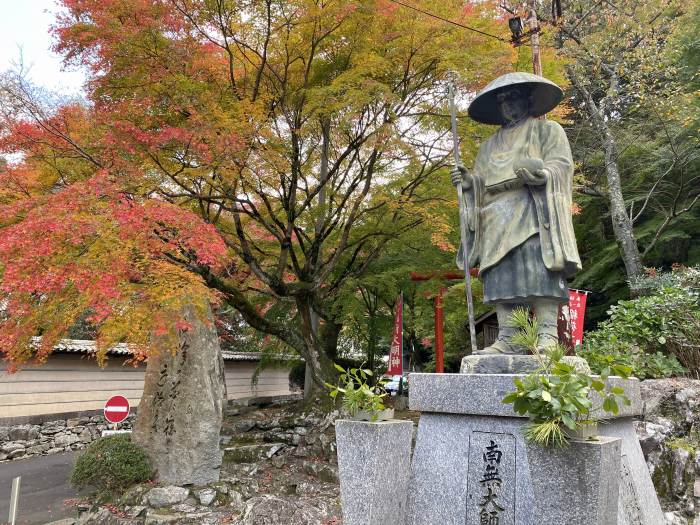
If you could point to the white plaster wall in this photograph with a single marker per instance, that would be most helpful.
(73, 383)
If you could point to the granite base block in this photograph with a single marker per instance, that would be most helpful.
(463, 424)
(481, 394)
(577, 485)
(374, 467)
(639, 504)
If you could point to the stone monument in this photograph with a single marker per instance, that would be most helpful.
(181, 410)
(471, 464)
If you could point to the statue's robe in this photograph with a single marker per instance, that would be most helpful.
(522, 236)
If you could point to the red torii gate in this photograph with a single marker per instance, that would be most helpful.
(439, 313)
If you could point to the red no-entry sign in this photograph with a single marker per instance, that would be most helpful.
(116, 409)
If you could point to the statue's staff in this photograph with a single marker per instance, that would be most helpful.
(462, 223)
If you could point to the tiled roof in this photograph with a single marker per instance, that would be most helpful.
(86, 346)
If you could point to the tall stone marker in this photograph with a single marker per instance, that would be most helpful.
(373, 467)
(181, 410)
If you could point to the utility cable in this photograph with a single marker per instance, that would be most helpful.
(427, 13)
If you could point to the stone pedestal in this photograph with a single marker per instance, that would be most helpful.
(471, 463)
(373, 467)
(512, 364)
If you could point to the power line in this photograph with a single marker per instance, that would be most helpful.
(427, 13)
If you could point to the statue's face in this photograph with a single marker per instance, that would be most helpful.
(513, 103)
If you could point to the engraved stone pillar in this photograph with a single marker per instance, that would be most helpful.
(181, 410)
(373, 467)
(472, 466)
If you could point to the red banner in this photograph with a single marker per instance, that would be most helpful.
(396, 348)
(577, 312)
(571, 317)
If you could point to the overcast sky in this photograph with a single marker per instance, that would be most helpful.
(24, 29)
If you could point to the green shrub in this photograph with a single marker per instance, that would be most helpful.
(357, 392)
(657, 334)
(557, 396)
(680, 277)
(111, 465)
(602, 354)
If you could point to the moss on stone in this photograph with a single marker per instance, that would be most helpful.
(221, 499)
(243, 439)
(248, 453)
(662, 478)
(681, 443)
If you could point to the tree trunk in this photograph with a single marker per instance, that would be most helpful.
(621, 221)
(309, 390)
(319, 364)
(308, 373)
(372, 345)
(321, 370)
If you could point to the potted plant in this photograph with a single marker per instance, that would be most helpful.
(557, 397)
(360, 399)
(374, 451)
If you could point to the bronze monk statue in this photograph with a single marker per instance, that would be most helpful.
(517, 202)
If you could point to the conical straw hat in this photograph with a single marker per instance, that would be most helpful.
(545, 96)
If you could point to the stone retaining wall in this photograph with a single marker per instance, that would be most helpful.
(670, 438)
(52, 437)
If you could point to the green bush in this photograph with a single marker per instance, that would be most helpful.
(111, 465)
(557, 396)
(657, 334)
(358, 394)
(602, 354)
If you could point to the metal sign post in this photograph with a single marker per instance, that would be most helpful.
(14, 500)
(116, 410)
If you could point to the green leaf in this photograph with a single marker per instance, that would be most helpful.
(546, 396)
(568, 421)
(534, 394)
(598, 386)
(338, 367)
(622, 370)
(510, 398)
(520, 405)
(610, 405)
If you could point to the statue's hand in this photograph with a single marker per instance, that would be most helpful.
(531, 164)
(537, 178)
(460, 175)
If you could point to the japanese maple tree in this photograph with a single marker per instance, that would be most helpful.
(254, 151)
